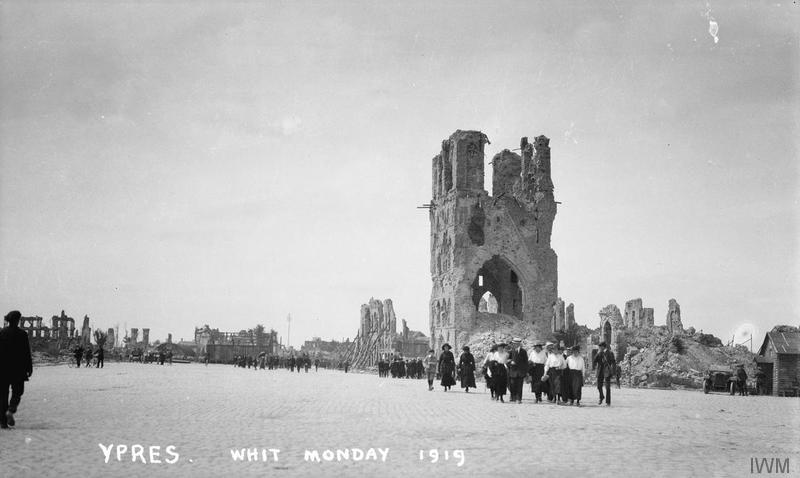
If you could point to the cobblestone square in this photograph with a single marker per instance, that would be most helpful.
(205, 412)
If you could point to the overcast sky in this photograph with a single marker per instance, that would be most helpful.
(167, 165)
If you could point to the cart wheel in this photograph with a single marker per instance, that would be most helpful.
(733, 388)
(706, 388)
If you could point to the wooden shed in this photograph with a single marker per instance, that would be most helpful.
(779, 359)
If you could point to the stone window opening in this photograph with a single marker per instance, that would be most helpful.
(495, 277)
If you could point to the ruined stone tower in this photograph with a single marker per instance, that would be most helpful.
(491, 247)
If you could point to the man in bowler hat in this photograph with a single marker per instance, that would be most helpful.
(16, 367)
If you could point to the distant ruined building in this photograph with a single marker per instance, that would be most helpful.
(491, 254)
(613, 324)
(563, 319)
(224, 346)
(674, 318)
(377, 336)
(636, 315)
(62, 327)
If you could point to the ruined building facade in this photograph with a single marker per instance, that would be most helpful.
(376, 333)
(674, 323)
(377, 336)
(637, 316)
(491, 252)
(562, 319)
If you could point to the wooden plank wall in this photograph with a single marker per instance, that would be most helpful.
(786, 373)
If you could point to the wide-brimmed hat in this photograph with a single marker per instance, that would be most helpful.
(549, 344)
(446, 345)
(602, 344)
(575, 348)
(502, 344)
(516, 340)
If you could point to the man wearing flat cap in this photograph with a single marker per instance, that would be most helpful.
(16, 367)
(517, 369)
(605, 364)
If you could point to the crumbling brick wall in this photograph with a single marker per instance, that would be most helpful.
(497, 244)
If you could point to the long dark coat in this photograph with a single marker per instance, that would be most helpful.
(447, 367)
(15, 355)
(499, 378)
(466, 370)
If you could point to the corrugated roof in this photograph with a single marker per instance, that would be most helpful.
(785, 342)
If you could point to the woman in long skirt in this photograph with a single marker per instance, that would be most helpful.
(500, 373)
(466, 369)
(485, 369)
(552, 369)
(576, 367)
(538, 358)
(447, 367)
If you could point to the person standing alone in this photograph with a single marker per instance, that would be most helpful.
(16, 367)
(605, 364)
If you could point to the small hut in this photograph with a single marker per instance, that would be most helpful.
(779, 360)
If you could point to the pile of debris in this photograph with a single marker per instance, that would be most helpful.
(658, 359)
(501, 328)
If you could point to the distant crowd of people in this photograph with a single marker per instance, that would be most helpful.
(555, 373)
(264, 361)
(400, 367)
(88, 356)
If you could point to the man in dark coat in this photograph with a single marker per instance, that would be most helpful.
(16, 367)
(78, 354)
(741, 379)
(517, 369)
(605, 364)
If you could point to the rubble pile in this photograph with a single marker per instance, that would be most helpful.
(497, 328)
(657, 358)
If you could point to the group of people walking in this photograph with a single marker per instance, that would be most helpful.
(556, 374)
(264, 361)
(88, 355)
(399, 367)
(445, 367)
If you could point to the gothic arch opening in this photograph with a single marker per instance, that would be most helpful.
(607, 334)
(498, 278)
